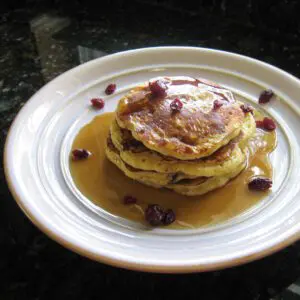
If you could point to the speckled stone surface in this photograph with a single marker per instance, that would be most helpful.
(40, 40)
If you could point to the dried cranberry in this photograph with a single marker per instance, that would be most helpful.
(247, 108)
(97, 103)
(260, 184)
(176, 105)
(259, 124)
(217, 104)
(265, 96)
(154, 214)
(266, 124)
(129, 200)
(80, 154)
(158, 88)
(110, 89)
(269, 124)
(169, 217)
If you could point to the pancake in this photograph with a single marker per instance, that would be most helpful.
(196, 131)
(150, 178)
(203, 185)
(223, 161)
(177, 182)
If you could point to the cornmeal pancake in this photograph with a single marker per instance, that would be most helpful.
(197, 130)
(176, 182)
(223, 161)
(179, 182)
(151, 178)
(203, 185)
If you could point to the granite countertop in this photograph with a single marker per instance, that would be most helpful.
(42, 39)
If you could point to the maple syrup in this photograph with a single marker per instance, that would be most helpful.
(106, 186)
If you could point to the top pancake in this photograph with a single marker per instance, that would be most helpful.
(196, 131)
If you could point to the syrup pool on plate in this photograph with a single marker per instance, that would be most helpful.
(106, 186)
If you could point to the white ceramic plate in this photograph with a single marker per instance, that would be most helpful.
(39, 141)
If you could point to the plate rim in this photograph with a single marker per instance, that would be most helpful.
(71, 245)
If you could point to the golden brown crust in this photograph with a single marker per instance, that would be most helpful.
(178, 182)
(128, 143)
(196, 131)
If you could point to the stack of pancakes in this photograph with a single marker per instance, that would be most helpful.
(192, 150)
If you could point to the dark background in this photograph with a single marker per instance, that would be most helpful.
(40, 40)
